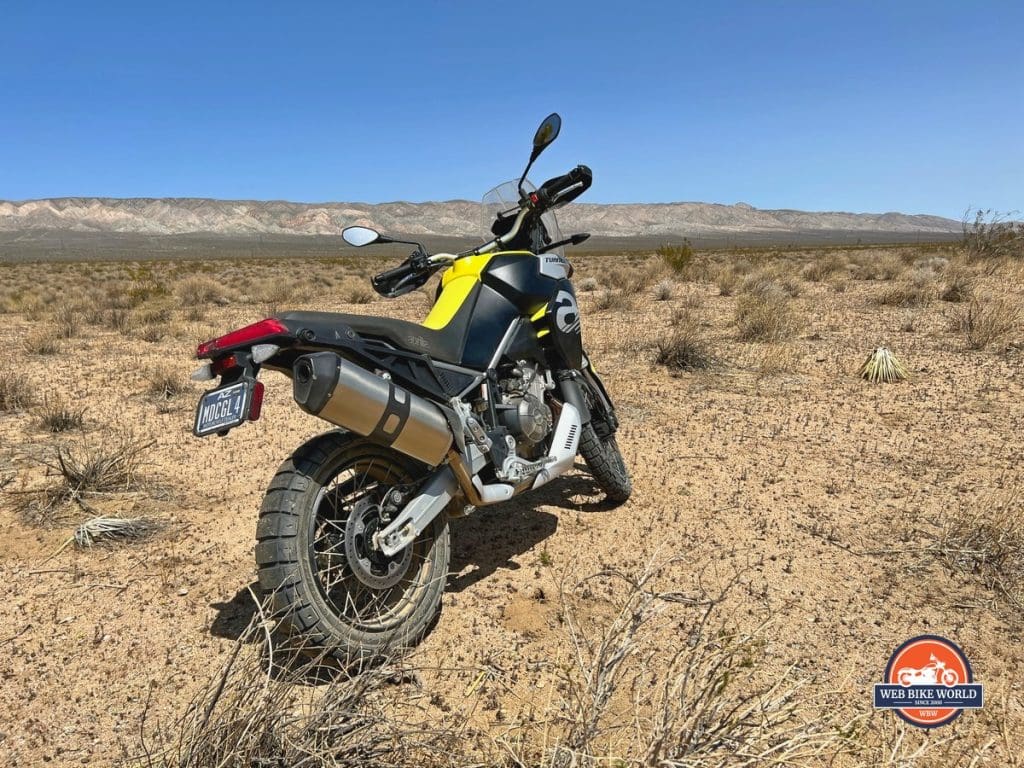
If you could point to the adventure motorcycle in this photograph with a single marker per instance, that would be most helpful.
(490, 397)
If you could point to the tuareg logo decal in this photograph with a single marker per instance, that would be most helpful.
(567, 314)
(928, 681)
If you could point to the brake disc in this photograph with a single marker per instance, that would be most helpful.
(371, 566)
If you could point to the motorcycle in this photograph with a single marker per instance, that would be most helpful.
(932, 673)
(492, 396)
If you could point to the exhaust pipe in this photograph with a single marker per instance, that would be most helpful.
(326, 385)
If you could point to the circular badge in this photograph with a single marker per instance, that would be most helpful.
(936, 667)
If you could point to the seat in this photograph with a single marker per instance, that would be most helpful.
(444, 345)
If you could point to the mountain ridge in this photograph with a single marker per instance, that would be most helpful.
(462, 218)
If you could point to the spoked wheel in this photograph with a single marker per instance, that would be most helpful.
(329, 585)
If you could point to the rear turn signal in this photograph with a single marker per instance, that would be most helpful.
(264, 329)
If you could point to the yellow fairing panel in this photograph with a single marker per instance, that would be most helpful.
(457, 284)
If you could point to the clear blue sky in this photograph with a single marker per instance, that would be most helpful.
(861, 106)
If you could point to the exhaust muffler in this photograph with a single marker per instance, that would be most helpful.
(326, 385)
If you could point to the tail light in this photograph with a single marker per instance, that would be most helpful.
(256, 404)
(263, 330)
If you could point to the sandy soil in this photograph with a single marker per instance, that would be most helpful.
(781, 469)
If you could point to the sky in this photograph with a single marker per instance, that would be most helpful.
(856, 106)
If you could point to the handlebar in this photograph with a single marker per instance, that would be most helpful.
(565, 188)
(393, 275)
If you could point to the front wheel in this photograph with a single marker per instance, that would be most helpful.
(604, 459)
(329, 587)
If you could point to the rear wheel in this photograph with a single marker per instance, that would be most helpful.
(331, 589)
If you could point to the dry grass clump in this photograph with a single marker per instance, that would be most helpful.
(165, 382)
(987, 540)
(359, 293)
(684, 347)
(701, 700)
(957, 285)
(68, 320)
(919, 291)
(260, 709)
(200, 290)
(874, 266)
(15, 391)
(770, 316)
(57, 415)
(587, 284)
(989, 320)
(274, 295)
(607, 300)
(99, 529)
(663, 290)
(823, 267)
(41, 341)
(727, 279)
(767, 283)
(631, 281)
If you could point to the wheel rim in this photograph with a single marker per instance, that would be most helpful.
(364, 589)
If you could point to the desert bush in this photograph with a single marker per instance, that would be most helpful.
(15, 391)
(153, 333)
(907, 294)
(823, 267)
(358, 293)
(986, 540)
(588, 284)
(991, 235)
(200, 290)
(727, 279)
(56, 415)
(767, 317)
(275, 295)
(989, 320)
(678, 258)
(630, 281)
(957, 285)
(684, 347)
(161, 315)
(41, 341)
(67, 319)
(164, 382)
(692, 299)
(764, 284)
(663, 290)
(607, 300)
(121, 320)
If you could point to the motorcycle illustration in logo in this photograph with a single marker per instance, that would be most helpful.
(928, 682)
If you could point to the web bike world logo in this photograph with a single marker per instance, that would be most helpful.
(928, 681)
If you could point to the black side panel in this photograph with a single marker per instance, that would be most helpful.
(518, 279)
(566, 330)
(492, 316)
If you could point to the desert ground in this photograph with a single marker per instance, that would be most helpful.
(791, 523)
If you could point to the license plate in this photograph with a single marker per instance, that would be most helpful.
(222, 409)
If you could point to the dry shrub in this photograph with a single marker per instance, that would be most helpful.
(989, 320)
(823, 267)
(775, 359)
(663, 290)
(199, 291)
(692, 299)
(727, 279)
(991, 235)
(260, 709)
(684, 347)
(41, 341)
(588, 284)
(702, 700)
(766, 283)
(767, 317)
(957, 285)
(275, 294)
(164, 382)
(987, 540)
(908, 293)
(57, 415)
(153, 333)
(359, 293)
(121, 320)
(607, 300)
(877, 267)
(110, 466)
(630, 281)
(68, 319)
(15, 391)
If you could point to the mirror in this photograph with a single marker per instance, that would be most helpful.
(359, 236)
(547, 132)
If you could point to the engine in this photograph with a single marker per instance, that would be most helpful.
(523, 410)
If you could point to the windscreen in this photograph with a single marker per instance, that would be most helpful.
(504, 198)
